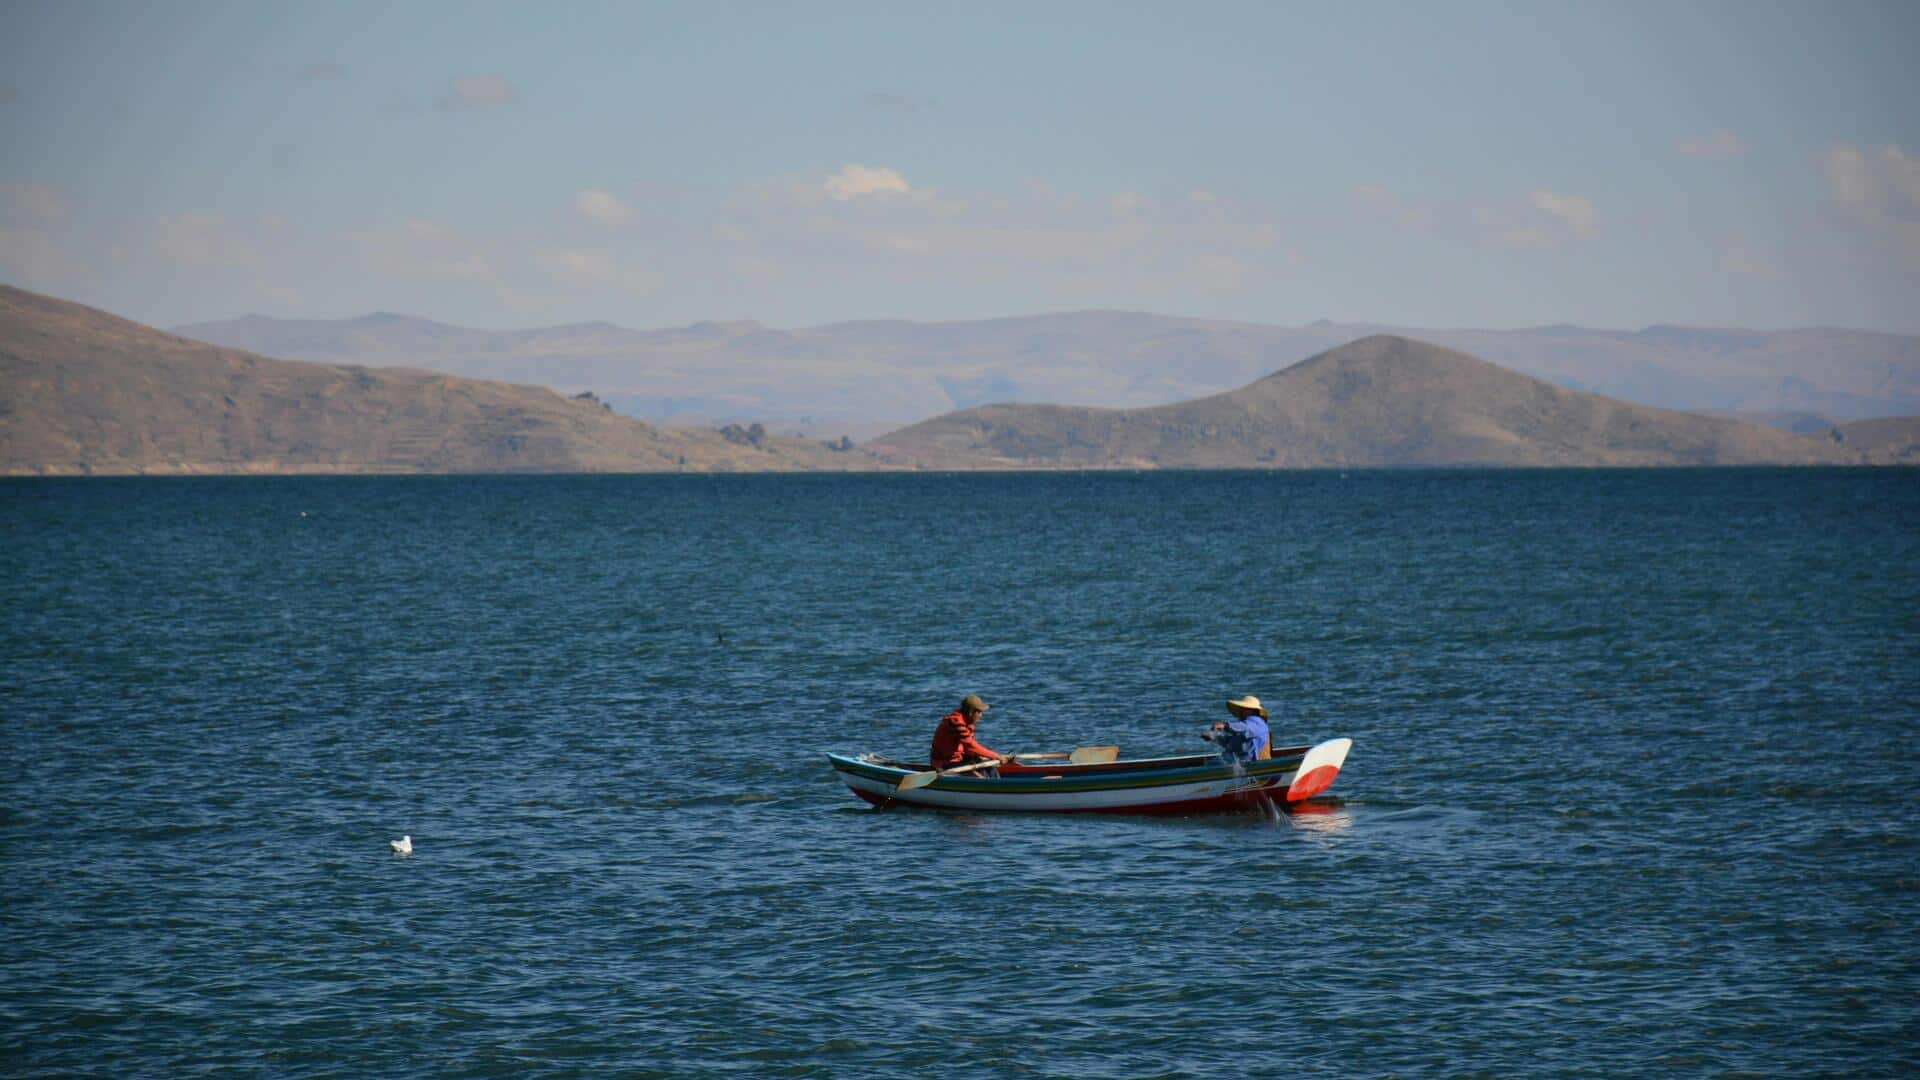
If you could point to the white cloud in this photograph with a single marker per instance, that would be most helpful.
(40, 242)
(1847, 173)
(1120, 243)
(478, 92)
(422, 249)
(1385, 204)
(1575, 210)
(205, 241)
(855, 181)
(1506, 227)
(1720, 144)
(1880, 191)
(601, 207)
(1542, 220)
(593, 269)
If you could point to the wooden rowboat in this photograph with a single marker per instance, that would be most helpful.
(1175, 785)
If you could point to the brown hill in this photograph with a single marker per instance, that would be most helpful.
(1379, 401)
(82, 391)
(845, 376)
(1893, 440)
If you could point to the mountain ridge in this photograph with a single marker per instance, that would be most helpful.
(904, 371)
(84, 391)
(1381, 401)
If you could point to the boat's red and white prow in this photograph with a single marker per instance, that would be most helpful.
(1318, 768)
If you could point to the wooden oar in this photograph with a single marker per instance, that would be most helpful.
(922, 779)
(1082, 755)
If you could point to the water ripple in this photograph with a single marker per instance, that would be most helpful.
(1630, 792)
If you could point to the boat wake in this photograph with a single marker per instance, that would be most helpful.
(1425, 815)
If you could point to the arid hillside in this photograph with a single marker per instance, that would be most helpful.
(854, 374)
(1380, 401)
(82, 391)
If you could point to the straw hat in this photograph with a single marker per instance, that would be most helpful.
(1249, 703)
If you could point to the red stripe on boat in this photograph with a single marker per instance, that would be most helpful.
(1233, 800)
(1309, 784)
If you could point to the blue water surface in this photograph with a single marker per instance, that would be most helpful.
(1632, 787)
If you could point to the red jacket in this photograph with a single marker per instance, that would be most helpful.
(954, 744)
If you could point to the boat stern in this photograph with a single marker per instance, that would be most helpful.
(1318, 768)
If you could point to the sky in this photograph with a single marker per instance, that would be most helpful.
(1492, 165)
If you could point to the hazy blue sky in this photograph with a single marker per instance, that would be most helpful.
(1468, 164)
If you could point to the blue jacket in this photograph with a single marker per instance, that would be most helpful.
(1243, 738)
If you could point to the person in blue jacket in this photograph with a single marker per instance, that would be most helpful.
(1243, 738)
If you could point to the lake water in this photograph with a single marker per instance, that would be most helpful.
(1632, 787)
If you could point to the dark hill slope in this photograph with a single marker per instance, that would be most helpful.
(82, 391)
(1893, 440)
(1379, 401)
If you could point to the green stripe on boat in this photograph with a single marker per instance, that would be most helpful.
(1096, 781)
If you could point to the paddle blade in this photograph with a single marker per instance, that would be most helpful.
(917, 780)
(922, 779)
(1094, 755)
(1318, 769)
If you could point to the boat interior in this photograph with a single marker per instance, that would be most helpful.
(1045, 767)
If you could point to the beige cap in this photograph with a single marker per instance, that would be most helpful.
(972, 703)
(1249, 703)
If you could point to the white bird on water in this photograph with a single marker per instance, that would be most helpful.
(402, 846)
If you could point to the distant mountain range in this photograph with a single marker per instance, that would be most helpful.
(82, 392)
(860, 378)
(1380, 401)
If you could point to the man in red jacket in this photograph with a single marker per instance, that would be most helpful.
(953, 741)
